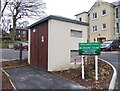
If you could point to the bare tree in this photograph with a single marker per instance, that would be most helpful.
(4, 6)
(22, 24)
(24, 8)
(2, 18)
(5, 25)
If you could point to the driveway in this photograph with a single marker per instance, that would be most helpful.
(33, 78)
(114, 59)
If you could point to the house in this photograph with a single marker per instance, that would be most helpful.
(84, 18)
(5, 36)
(101, 19)
(21, 33)
(54, 42)
(117, 19)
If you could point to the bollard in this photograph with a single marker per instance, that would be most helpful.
(75, 61)
(20, 57)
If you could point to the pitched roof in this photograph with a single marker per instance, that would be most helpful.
(94, 5)
(60, 19)
(81, 13)
(100, 1)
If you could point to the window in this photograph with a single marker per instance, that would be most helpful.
(76, 33)
(117, 28)
(94, 28)
(80, 19)
(104, 26)
(24, 35)
(24, 32)
(94, 15)
(103, 12)
(19, 35)
(74, 56)
(116, 12)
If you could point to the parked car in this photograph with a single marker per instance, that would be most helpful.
(24, 46)
(111, 45)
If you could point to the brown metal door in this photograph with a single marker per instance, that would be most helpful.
(43, 47)
(34, 48)
(39, 46)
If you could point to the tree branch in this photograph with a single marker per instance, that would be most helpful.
(6, 2)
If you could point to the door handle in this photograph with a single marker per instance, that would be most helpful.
(42, 39)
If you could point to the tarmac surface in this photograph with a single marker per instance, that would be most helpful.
(113, 57)
(34, 78)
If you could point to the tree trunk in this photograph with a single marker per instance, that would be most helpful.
(13, 31)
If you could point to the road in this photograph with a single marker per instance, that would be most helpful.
(10, 54)
(114, 59)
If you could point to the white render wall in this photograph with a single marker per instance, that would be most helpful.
(60, 43)
(29, 45)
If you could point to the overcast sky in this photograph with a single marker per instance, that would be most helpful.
(68, 8)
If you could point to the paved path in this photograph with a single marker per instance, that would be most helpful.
(33, 78)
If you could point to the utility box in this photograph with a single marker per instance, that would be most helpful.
(51, 41)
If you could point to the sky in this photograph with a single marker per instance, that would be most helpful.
(69, 8)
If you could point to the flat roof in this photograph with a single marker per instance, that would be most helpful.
(60, 19)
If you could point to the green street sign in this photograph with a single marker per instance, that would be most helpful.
(90, 48)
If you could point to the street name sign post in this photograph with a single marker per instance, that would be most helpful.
(90, 48)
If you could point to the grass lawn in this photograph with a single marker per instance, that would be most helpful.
(5, 44)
